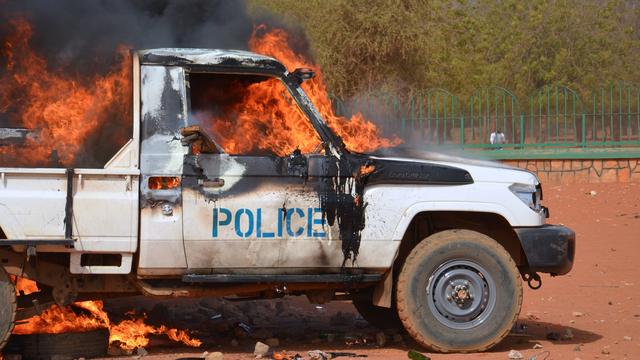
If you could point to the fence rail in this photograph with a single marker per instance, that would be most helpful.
(553, 118)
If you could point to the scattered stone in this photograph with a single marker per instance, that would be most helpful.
(554, 336)
(593, 193)
(532, 316)
(215, 356)
(273, 342)
(381, 339)
(513, 354)
(142, 351)
(627, 338)
(234, 343)
(577, 347)
(610, 303)
(261, 350)
(577, 314)
(537, 346)
(572, 321)
(605, 351)
(568, 334)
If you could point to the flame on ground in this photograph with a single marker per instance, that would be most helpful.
(128, 334)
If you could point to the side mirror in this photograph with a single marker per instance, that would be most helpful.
(300, 75)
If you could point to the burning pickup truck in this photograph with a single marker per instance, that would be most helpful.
(197, 203)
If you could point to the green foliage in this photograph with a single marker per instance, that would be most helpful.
(395, 45)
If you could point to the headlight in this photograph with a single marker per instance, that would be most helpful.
(528, 194)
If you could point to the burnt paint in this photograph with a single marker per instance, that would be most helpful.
(338, 182)
(342, 193)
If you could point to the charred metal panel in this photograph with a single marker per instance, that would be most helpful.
(205, 57)
(407, 172)
(163, 114)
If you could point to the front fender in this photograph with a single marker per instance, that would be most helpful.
(427, 206)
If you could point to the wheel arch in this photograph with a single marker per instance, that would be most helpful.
(427, 223)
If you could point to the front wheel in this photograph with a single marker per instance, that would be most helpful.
(458, 290)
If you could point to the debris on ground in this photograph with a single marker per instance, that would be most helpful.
(261, 349)
(215, 356)
(627, 338)
(568, 334)
(605, 351)
(141, 351)
(577, 314)
(415, 355)
(321, 355)
(513, 354)
(537, 346)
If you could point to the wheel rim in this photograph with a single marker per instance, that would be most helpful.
(461, 294)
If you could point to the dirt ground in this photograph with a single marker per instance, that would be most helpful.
(595, 310)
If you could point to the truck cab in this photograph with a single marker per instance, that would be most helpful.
(208, 199)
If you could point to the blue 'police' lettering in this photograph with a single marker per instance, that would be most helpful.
(245, 223)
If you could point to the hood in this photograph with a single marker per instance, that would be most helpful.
(480, 170)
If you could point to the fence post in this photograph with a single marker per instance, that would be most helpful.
(462, 131)
(521, 130)
(584, 130)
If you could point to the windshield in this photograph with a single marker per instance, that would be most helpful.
(250, 115)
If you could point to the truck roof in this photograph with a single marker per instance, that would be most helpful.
(209, 57)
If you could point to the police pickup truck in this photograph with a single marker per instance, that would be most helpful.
(436, 245)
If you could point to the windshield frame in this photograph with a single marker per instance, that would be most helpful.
(304, 103)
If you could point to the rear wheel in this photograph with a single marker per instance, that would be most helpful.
(7, 307)
(458, 290)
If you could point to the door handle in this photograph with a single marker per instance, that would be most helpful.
(213, 183)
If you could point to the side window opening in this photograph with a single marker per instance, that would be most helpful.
(249, 115)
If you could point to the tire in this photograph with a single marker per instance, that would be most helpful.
(7, 307)
(88, 344)
(380, 317)
(458, 291)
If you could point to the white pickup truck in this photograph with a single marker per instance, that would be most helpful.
(433, 244)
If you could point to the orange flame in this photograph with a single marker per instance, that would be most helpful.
(358, 133)
(128, 334)
(164, 182)
(24, 286)
(63, 111)
(260, 117)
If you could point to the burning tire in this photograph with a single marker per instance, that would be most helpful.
(74, 345)
(7, 307)
(459, 290)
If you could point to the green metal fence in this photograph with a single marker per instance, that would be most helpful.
(554, 121)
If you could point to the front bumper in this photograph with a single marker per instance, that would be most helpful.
(548, 248)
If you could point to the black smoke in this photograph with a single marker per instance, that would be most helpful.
(82, 36)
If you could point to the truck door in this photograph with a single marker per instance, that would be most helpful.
(248, 205)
